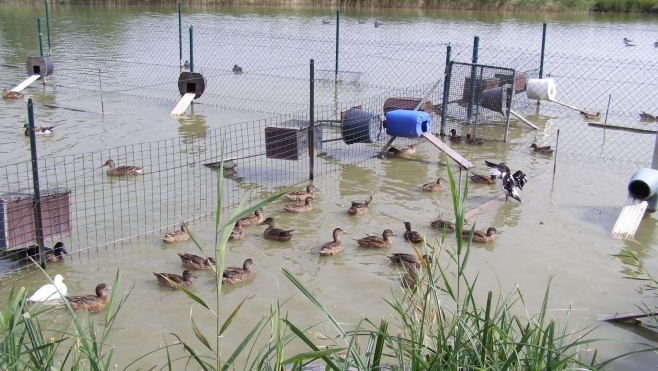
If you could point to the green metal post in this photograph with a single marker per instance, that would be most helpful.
(471, 97)
(311, 126)
(35, 184)
(47, 25)
(191, 48)
(543, 46)
(40, 36)
(180, 37)
(446, 90)
(337, 40)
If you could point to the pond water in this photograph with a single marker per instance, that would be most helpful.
(561, 228)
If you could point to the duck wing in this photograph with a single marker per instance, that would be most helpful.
(232, 272)
(192, 258)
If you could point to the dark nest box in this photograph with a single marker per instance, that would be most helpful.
(360, 126)
(39, 66)
(497, 99)
(17, 217)
(520, 80)
(289, 140)
(191, 82)
(480, 86)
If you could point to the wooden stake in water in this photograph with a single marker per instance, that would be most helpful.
(100, 84)
(607, 109)
(557, 140)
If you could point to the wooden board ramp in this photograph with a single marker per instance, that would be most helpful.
(523, 119)
(622, 128)
(183, 104)
(448, 151)
(27, 82)
(628, 317)
(629, 220)
(572, 107)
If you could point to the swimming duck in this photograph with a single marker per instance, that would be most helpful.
(196, 262)
(335, 246)
(478, 178)
(473, 140)
(402, 151)
(301, 195)
(295, 208)
(591, 116)
(629, 43)
(360, 208)
(325, 21)
(51, 291)
(276, 234)
(377, 242)
(253, 219)
(237, 232)
(546, 149)
(410, 279)
(185, 280)
(364, 22)
(647, 117)
(411, 236)
(377, 23)
(627, 40)
(40, 130)
(500, 169)
(479, 236)
(121, 170)
(8, 94)
(407, 260)
(177, 236)
(56, 253)
(655, 45)
(237, 69)
(237, 274)
(454, 137)
(433, 187)
(91, 303)
(439, 224)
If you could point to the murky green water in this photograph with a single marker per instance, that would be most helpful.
(561, 228)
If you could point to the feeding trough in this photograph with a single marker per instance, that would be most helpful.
(37, 68)
(191, 85)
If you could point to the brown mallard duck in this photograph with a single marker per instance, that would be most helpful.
(121, 170)
(402, 151)
(440, 224)
(591, 116)
(39, 130)
(536, 148)
(185, 280)
(433, 187)
(478, 178)
(473, 140)
(411, 236)
(454, 137)
(275, 234)
(91, 303)
(361, 208)
(410, 279)
(237, 274)
(176, 236)
(302, 195)
(376, 242)
(238, 231)
(479, 236)
(296, 208)
(253, 219)
(647, 116)
(406, 260)
(335, 246)
(8, 94)
(196, 262)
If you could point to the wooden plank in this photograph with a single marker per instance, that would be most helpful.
(628, 316)
(183, 104)
(26, 83)
(622, 128)
(629, 220)
(572, 107)
(54, 105)
(524, 120)
(448, 151)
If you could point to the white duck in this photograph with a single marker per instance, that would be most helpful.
(49, 291)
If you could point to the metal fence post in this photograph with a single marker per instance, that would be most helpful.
(40, 36)
(180, 37)
(191, 48)
(35, 184)
(337, 41)
(471, 97)
(311, 124)
(543, 48)
(47, 25)
(446, 90)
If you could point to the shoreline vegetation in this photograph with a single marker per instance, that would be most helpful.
(566, 6)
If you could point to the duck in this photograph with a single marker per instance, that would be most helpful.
(56, 253)
(50, 291)
(185, 280)
(295, 208)
(500, 169)
(410, 279)
(275, 234)
(473, 140)
(302, 195)
(509, 187)
(479, 236)
(433, 187)
(407, 260)
(8, 94)
(237, 69)
(647, 117)
(176, 236)
(402, 151)
(361, 208)
(655, 45)
(627, 40)
(629, 43)
(376, 242)
(546, 149)
(121, 170)
(237, 274)
(40, 130)
(364, 22)
(479, 178)
(335, 246)
(411, 236)
(186, 64)
(325, 21)
(196, 262)
(440, 224)
(377, 23)
(253, 219)
(454, 137)
(591, 116)
(91, 303)
(238, 231)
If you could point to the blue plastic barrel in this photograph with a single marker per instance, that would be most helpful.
(407, 123)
